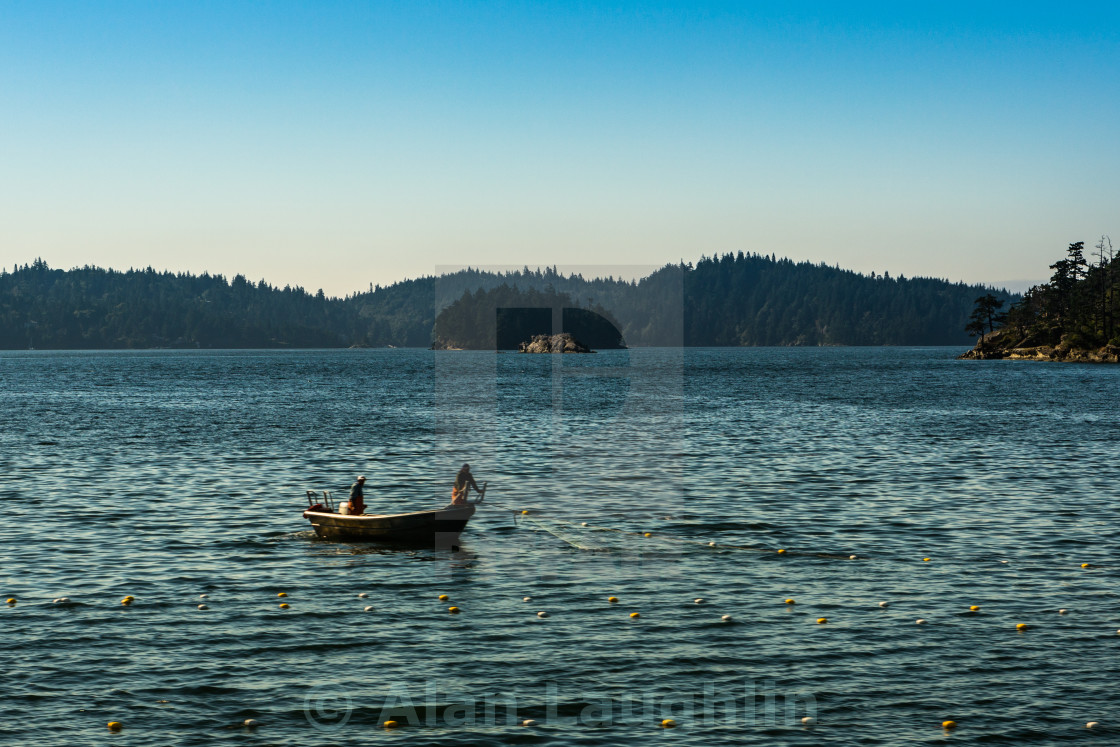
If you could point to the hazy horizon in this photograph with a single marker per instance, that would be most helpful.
(588, 272)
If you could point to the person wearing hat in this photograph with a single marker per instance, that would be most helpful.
(357, 498)
(464, 481)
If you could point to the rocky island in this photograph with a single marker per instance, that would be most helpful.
(561, 343)
(508, 318)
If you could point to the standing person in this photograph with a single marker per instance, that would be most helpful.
(357, 497)
(464, 481)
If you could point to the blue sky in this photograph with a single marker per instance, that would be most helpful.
(335, 145)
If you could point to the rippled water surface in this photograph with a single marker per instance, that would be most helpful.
(169, 475)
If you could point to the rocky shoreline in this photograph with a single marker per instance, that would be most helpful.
(991, 349)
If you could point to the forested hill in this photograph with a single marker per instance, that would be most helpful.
(744, 299)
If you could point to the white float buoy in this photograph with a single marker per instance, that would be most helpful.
(62, 600)
(528, 722)
(526, 599)
(851, 557)
(698, 600)
(920, 621)
(1092, 724)
(726, 618)
(368, 609)
(808, 721)
(201, 596)
(1062, 612)
(582, 524)
(363, 595)
(884, 604)
(251, 722)
(711, 544)
(542, 614)
(203, 607)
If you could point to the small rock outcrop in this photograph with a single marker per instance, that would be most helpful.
(561, 343)
(1001, 344)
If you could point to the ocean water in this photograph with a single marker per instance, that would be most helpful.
(169, 475)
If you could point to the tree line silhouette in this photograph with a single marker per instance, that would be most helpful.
(1077, 309)
(730, 300)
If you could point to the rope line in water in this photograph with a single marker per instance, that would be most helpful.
(541, 523)
(521, 515)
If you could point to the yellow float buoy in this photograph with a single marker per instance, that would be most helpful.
(781, 551)
(284, 605)
(443, 597)
(1085, 565)
(668, 723)
(11, 600)
(822, 620)
(454, 610)
(635, 614)
(648, 534)
(790, 601)
(1021, 626)
(282, 594)
(612, 599)
(115, 726)
(974, 608)
(525, 511)
(925, 560)
(126, 601)
(948, 724)
(391, 724)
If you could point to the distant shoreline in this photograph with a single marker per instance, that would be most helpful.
(291, 349)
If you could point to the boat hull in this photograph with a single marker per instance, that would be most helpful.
(439, 528)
